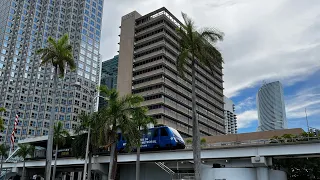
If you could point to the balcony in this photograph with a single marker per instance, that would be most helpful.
(150, 38)
(158, 26)
(155, 111)
(148, 47)
(148, 83)
(151, 92)
(148, 55)
(152, 102)
(148, 74)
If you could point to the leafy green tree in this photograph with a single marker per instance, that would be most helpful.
(299, 168)
(117, 116)
(2, 109)
(58, 53)
(4, 153)
(140, 120)
(59, 138)
(80, 140)
(197, 47)
(24, 151)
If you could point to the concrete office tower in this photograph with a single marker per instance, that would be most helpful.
(230, 116)
(26, 87)
(271, 108)
(109, 74)
(147, 57)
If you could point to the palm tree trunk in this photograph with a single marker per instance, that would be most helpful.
(89, 166)
(113, 160)
(195, 126)
(24, 170)
(1, 163)
(138, 164)
(51, 127)
(55, 163)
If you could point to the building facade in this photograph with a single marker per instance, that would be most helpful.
(230, 116)
(271, 107)
(109, 74)
(26, 87)
(147, 67)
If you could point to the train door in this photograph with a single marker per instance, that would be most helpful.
(164, 138)
(155, 138)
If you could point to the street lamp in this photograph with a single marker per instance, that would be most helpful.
(94, 97)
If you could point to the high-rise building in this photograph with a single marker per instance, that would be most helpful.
(271, 107)
(230, 116)
(26, 87)
(147, 66)
(109, 74)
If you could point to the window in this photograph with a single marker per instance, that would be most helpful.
(82, 51)
(93, 79)
(81, 58)
(86, 75)
(87, 68)
(80, 65)
(155, 133)
(164, 132)
(80, 73)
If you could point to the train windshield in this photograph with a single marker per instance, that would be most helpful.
(176, 133)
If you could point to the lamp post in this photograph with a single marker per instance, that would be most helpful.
(94, 97)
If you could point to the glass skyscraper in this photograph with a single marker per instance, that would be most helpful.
(271, 107)
(26, 87)
(109, 74)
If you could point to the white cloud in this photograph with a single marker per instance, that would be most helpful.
(306, 98)
(264, 40)
(246, 118)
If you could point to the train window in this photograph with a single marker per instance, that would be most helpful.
(155, 133)
(164, 132)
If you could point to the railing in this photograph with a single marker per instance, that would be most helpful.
(257, 142)
(165, 168)
(183, 176)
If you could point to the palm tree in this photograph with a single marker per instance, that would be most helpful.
(117, 116)
(59, 138)
(198, 47)
(141, 121)
(3, 152)
(79, 142)
(23, 151)
(58, 54)
(2, 109)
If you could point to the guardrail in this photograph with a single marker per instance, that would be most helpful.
(293, 140)
(183, 176)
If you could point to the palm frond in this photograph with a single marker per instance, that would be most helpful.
(211, 35)
(181, 62)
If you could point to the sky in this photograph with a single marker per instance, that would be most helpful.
(265, 41)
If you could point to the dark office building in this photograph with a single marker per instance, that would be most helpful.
(109, 74)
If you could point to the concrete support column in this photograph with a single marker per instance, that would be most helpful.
(262, 173)
(104, 177)
(71, 175)
(79, 175)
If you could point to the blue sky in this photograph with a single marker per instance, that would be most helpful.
(298, 97)
(265, 40)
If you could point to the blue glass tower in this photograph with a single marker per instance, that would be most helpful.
(26, 88)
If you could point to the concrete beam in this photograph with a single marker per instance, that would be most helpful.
(271, 150)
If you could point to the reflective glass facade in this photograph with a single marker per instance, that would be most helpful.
(109, 74)
(26, 88)
(271, 107)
